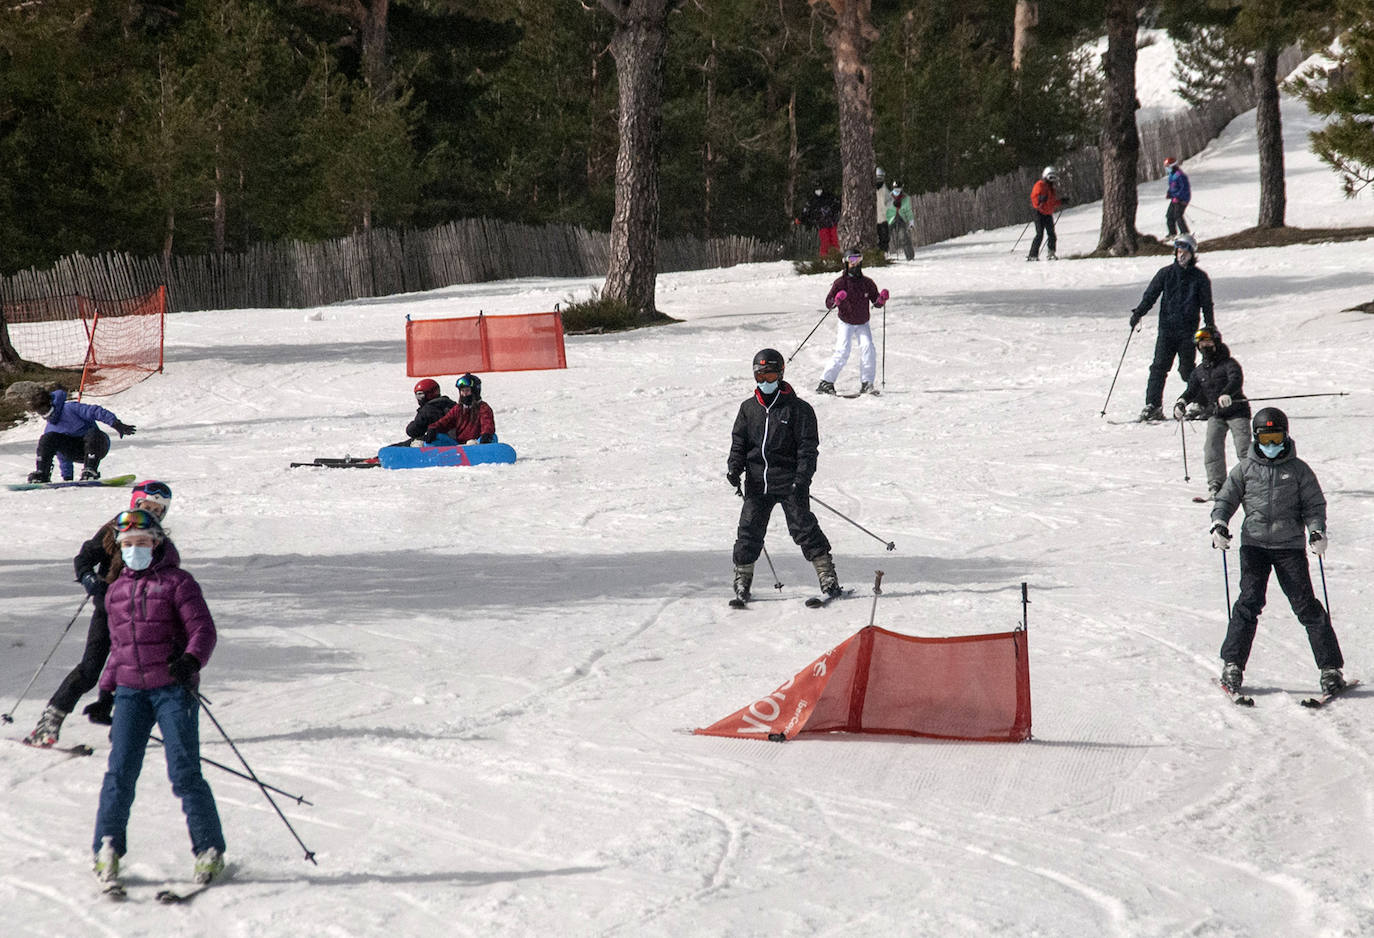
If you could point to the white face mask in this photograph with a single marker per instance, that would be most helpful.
(1270, 449)
(767, 387)
(137, 558)
(818, 192)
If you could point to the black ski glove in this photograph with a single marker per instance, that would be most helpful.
(124, 429)
(1136, 316)
(487, 438)
(99, 712)
(91, 582)
(184, 668)
(430, 436)
(733, 478)
(802, 489)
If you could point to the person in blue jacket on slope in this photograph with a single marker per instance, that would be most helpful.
(72, 433)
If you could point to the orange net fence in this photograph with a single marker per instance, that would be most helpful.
(484, 343)
(115, 342)
(974, 687)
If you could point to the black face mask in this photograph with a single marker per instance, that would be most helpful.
(854, 271)
(1209, 352)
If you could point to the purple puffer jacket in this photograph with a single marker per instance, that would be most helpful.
(73, 418)
(155, 615)
(859, 292)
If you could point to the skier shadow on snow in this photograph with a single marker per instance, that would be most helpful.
(306, 353)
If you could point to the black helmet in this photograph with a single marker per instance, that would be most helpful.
(1269, 420)
(470, 381)
(769, 359)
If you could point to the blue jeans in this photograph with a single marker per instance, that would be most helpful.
(176, 713)
(443, 439)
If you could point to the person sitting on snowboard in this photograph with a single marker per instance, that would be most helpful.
(1215, 391)
(432, 405)
(470, 419)
(72, 434)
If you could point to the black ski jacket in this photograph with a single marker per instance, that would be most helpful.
(428, 412)
(774, 443)
(1186, 291)
(1211, 379)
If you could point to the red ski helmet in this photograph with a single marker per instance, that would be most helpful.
(426, 389)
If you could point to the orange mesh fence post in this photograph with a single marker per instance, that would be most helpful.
(528, 342)
(125, 341)
(974, 687)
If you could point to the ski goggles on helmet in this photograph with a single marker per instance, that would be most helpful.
(768, 376)
(854, 258)
(136, 519)
(1270, 437)
(153, 489)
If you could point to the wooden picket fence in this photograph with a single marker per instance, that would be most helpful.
(382, 262)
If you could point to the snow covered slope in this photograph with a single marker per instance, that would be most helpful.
(483, 678)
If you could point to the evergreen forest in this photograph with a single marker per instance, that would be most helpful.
(194, 126)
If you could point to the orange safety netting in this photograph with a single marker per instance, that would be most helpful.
(974, 687)
(484, 343)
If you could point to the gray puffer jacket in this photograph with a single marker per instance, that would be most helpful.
(1281, 497)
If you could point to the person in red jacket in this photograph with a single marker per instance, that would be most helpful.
(1046, 201)
(470, 419)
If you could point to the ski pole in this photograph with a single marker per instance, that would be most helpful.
(1184, 440)
(1018, 239)
(1025, 605)
(1289, 397)
(1118, 371)
(877, 591)
(233, 771)
(1326, 596)
(1226, 578)
(888, 544)
(809, 335)
(885, 302)
(777, 584)
(309, 854)
(9, 717)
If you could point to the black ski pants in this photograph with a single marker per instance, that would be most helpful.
(89, 448)
(1173, 217)
(1169, 344)
(86, 675)
(1295, 579)
(1044, 228)
(882, 236)
(801, 524)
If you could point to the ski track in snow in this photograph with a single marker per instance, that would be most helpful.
(484, 680)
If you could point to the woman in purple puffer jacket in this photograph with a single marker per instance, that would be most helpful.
(161, 635)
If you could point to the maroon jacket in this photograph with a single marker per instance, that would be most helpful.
(155, 615)
(859, 292)
(466, 423)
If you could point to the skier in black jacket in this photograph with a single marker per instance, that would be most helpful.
(433, 405)
(1186, 291)
(773, 449)
(1216, 389)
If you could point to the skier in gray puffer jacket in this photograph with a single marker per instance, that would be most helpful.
(1281, 498)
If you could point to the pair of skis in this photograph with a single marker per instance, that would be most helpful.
(812, 602)
(116, 892)
(1312, 703)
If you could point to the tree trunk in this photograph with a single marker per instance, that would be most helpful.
(373, 29)
(638, 47)
(1120, 139)
(1269, 128)
(793, 158)
(9, 358)
(850, 39)
(708, 156)
(170, 233)
(1026, 18)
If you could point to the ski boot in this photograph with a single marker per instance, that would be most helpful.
(1054, 256)
(825, 387)
(209, 865)
(825, 573)
(41, 475)
(744, 579)
(868, 388)
(90, 471)
(1333, 682)
(1232, 677)
(107, 864)
(1151, 413)
(44, 734)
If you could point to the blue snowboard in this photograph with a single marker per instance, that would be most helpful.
(416, 457)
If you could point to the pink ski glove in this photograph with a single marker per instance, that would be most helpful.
(882, 298)
(839, 297)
